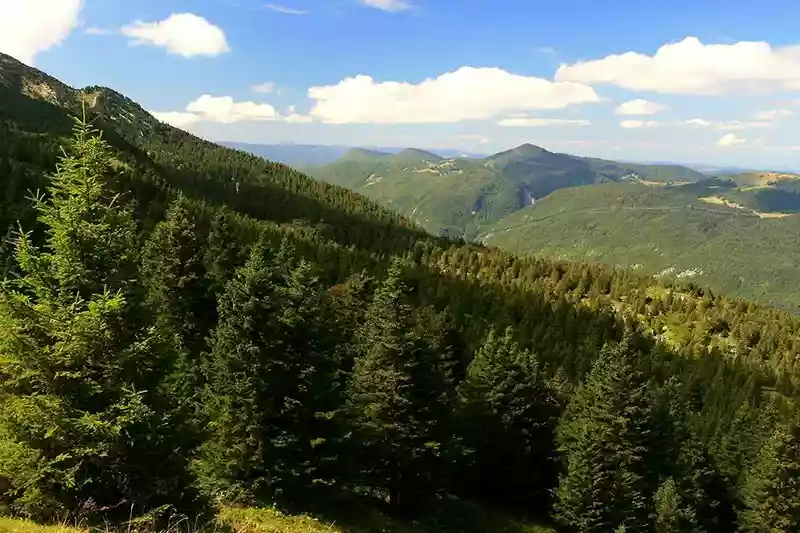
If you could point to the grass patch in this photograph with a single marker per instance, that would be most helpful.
(16, 525)
(451, 516)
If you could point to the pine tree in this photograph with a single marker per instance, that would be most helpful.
(221, 253)
(669, 514)
(174, 276)
(82, 410)
(676, 462)
(272, 383)
(511, 418)
(602, 441)
(400, 399)
(771, 490)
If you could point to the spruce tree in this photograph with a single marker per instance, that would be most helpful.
(677, 467)
(771, 490)
(400, 399)
(511, 416)
(174, 275)
(601, 438)
(83, 413)
(272, 393)
(221, 252)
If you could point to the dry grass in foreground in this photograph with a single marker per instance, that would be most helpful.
(268, 520)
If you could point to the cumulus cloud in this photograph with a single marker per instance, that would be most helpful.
(639, 107)
(286, 10)
(465, 94)
(773, 114)
(225, 110)
(540, 122)
(264, 88)
(183, 34)
(634, 124)
(392, 6)
(699, 122)
(176, 118)
(29, 27)
(730, 139)
(691, 67)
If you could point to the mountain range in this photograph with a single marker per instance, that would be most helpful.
(302, 155)
(733, 231)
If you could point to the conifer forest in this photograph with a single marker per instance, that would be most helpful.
(185, 326)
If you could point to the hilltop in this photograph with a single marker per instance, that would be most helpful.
(306, 155)
(461, 197)
(731, 232)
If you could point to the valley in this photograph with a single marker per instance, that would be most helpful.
(731, 232)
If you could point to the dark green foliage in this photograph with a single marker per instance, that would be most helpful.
(272, 384)
(510, 414)
(399, 397)
(175, 279)
(602, 437)
(83, 416)
(771, 489)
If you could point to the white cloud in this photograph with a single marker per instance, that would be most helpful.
(539, 122)
(183, 34)
(691, 67)
(29, 27)
(480, 139)
(225, 110)
(286, 10)
(264, 88)
(176, 118)
(465, 94)
(773, 114)
(392, 6)
(633, 124)
(293, 118)
(639, 107)
(730, 139)
(699, 122)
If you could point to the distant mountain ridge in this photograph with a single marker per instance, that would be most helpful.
(459, 196)
(303, 155)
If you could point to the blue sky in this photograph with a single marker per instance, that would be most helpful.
(689, 81)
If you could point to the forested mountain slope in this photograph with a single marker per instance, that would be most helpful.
(733, 233)
(183, 327)
(694, 232)
(461, 197)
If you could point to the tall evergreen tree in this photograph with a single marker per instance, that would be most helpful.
(771, 490)
(82, 409)
(511, 415)
(400, 399)
(174, 275)
(272, 385)
(221, 253)
(602, 441)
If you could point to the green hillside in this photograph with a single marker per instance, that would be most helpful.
(192, 335)
(663, 230)
(461, 197)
